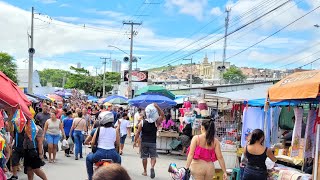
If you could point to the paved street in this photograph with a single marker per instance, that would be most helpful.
(69, 169)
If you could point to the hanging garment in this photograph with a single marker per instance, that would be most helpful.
(285, 121)
(309, 142)
(274, 113)
(253, 118)
(296, 134)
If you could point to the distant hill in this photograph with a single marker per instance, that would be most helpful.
(162, 68)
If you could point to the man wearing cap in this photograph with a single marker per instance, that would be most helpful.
(104, 141)
(148, 129)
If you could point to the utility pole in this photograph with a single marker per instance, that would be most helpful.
(223, 67)
(131, 57)
(104, 74)
(190, 59)
(31, 52)
(225, 35)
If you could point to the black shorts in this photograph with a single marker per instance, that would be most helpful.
(148, 150)
(17, 155)
(32, 159)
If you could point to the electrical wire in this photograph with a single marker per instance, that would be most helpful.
(221, 28)
(232, 32)
(273, 33)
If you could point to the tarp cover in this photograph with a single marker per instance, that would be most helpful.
(300, 85)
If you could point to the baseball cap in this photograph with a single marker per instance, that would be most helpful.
(105, 117)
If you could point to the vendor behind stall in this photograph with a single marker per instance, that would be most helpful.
(168, 123)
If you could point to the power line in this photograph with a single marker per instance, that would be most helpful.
(308, 63)
(273, 33)
(232, 32)
(289, 56)
(262, 4)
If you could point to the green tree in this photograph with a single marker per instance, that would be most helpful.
(234, 75)
(8, 67)
(53, 76)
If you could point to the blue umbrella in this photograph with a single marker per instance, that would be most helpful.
(92, 98)
(144, 100)
(114, 97)
(42, 97)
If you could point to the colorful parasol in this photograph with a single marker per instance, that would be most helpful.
(32, 111)
(55, 97)
(155, 90)
(11, 96)
(31, 129)
(2, 145)
(19, 120)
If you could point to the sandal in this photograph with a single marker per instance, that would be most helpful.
(144, 174)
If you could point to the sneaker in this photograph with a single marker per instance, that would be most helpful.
(67, 155)
(76, 158)
(45, 157)
(13, 178)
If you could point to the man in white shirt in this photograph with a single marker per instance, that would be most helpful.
(124, 129)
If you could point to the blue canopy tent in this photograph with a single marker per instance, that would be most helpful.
(144, 100)
(261, 102)
(92, 98)
(113, 97)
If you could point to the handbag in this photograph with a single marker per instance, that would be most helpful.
(187, 175)
(95, 145)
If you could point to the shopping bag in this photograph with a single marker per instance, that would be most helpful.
(64, 145)
(70, 141)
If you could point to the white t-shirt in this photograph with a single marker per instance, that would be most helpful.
(123, 127)
(107, 137)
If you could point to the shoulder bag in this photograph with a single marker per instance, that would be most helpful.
(95, 145)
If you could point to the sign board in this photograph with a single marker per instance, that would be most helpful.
(137, 76)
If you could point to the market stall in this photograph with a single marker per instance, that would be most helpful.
(164, 137)
(304, 88)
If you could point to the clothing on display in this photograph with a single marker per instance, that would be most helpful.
(310, 140)
(296, 134)
(285, 121)
(253, 118)
(275, 112)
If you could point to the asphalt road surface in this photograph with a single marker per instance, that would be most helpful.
(70, 169)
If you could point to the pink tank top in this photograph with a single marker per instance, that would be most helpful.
(201, 153)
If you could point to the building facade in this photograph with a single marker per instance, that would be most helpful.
(116, 66)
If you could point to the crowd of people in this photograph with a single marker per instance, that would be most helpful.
(106, 128)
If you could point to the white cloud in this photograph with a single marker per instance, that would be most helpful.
(194, 8)
(64, 5)
(111, 14)
(216, 11)
(281, 17)
(47, 1)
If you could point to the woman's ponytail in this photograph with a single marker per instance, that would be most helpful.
(210, 128)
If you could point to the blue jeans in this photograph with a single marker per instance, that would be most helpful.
(254, 174)
(78, 139)
(97, 156)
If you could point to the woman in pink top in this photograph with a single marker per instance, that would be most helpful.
(204, 150)
(167, 124)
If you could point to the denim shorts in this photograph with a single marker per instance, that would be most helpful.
(250, 173)
(53, 139)
(123, 139)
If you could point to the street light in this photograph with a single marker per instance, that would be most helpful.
(119, 49)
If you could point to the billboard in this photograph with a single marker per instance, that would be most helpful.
(137, 76)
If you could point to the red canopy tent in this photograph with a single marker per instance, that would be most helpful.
(11, 96)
